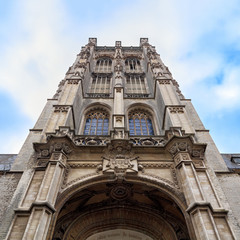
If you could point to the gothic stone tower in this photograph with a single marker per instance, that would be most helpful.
(119, 153)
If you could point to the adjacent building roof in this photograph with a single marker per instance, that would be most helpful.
(6, 161)
(232, 161)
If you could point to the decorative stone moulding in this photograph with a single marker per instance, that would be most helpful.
(57, 152)
(62, 132)
(73, 81)
(42, 163)
(83, 165)
(84, 177)
(58, 147)
(118, 54)
(119, 133)
(91, 141)
(119, 159)
(137, 95)
(118, 89)
(120, 165)
(120, 191)
(103, 55)
(61, 108)
(156, 64)
(176, 85)
(164, 81)
(199, 164)
(85, 52)
(59, 90)
(167, 182)
(176, 109)
(144, 42)
(92, 41)
(81, 64)
(175, 131)
(118, 68)
(55, 156)
(148, 141)
(119, 119)
(98, 95)
(186, 145)
(151, 53)
(118, 44)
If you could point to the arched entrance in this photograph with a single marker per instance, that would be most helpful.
(109, 209)
(117, 234)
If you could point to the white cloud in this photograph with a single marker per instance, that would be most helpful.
(35, 61)
(192, 38)
(227, 93)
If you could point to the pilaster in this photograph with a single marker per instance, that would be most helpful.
(118, 111)
(208, 216)
(37, 206)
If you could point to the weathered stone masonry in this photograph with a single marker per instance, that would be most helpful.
(119, 152)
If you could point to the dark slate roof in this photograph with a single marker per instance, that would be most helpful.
(228, 158)
(6, 161)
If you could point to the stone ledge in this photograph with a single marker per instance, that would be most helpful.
(205, 205)
(43, 204)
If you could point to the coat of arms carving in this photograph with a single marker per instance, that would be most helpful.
(119, 158)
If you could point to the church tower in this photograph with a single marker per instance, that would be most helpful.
(119, 153)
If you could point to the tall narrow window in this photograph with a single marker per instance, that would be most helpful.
(97, 123)
(133, 65)
(103, 65)
(100, 84)
(140, 123)
(135, 84)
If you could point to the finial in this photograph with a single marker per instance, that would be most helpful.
(118, 44)
(143, 41)
(92, 41)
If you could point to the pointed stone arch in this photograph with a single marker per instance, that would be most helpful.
(144, 108)
(104, 108)
(148, 184)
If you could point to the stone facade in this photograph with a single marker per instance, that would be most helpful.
(118, 152)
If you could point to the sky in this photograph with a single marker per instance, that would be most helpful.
(198, 40)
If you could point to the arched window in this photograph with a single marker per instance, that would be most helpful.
(97, 123)
(132, 65)
(140, 123)
(103, 65)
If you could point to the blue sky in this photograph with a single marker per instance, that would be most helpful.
(198, 40)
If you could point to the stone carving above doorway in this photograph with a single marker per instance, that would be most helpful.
(119, 159)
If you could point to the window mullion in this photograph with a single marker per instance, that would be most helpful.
(101, 84)
(140, 83)
(105, 85)
(102, 125)
(96, 126)
(140, 121)
(90, 126)
(147, 125)
(95, 84)
(134, 124)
